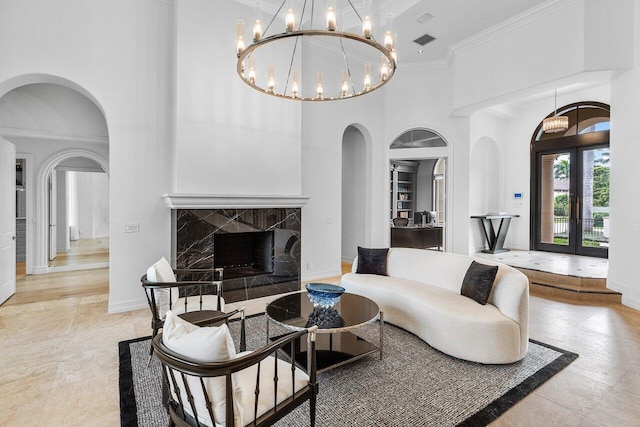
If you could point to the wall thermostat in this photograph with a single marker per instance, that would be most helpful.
(517, 195)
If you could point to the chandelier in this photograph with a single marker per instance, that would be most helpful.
(306, 53)
(556, 123)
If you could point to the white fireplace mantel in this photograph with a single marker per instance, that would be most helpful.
(232, 201)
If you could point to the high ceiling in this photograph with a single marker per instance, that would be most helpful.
(451, 21)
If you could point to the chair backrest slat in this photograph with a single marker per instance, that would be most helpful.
(275, 381)
(257, 395)
(192, 402)
(208, 401)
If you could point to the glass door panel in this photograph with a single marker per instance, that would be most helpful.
(593, 201)
(554, 200)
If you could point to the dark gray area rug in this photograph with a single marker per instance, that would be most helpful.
(413, 385)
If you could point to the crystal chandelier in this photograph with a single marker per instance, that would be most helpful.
(556, 123)
(338, 64)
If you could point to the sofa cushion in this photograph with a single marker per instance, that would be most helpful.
(372, 261)
(478, 281)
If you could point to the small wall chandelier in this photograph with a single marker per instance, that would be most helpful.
(556, 123)
(338, 64)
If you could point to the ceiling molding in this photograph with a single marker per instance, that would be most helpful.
(38, 134)
(513, 23)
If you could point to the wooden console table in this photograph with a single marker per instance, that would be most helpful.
(495, 240)
(416, 237)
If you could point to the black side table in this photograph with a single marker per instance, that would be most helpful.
(495, 240)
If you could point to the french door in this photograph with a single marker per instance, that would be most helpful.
(571, 198)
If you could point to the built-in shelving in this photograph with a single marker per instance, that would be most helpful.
(403, 185)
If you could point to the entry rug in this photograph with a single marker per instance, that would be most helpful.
(413, 385)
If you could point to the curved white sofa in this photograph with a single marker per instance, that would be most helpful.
(421, 293)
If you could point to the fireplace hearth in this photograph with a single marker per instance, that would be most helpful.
(259, 249)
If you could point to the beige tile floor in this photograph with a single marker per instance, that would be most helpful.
(60, 361)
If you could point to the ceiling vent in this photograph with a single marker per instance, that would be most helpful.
(424, 18)
(423, 40)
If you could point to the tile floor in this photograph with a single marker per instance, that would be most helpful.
(571, 265)
(60, 360)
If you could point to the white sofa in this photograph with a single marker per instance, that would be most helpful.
(421, 293)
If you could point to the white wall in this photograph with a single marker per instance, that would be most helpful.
(524, 53)
(119, 53)
(353, 193)
(62, 220)
(625, 174)
(230, 138)
(93, 204)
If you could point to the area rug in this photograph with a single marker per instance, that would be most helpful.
(413, 385)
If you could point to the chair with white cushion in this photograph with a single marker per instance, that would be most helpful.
(198, 301)
(204, 374)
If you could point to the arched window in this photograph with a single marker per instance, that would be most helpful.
(570, 183)
(419, 138)
(584, 118)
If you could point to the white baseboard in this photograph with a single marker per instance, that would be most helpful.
(348, 260)
(40, 270)
(128, 306)
(321, 275)
(78, 267)
(628, 298)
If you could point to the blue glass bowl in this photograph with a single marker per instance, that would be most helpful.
(324, 294)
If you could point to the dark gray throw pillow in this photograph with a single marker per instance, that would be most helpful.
(372, 261)
(478, 281)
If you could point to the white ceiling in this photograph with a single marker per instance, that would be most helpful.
(453, 20)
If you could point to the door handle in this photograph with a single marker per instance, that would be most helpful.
(578, 213)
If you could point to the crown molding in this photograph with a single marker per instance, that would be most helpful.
(511, 24)
(38, 134)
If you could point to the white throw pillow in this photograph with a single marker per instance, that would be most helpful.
(161, 272)
(164, 272)
(203, 344)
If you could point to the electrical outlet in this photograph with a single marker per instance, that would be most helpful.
(308, 266)
(131, 228)
(637, 226)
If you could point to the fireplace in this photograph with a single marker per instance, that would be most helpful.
(244, 254)
(259, 248)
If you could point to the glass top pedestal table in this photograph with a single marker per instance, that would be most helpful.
(335, 342)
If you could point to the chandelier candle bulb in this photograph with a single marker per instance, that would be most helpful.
(345, 83)
(331, 19)
(319, 89)
(257, 30)
(252, 70)
(294, 85)
(367, 76)
(366, 27)
(290, 21)
(388, 40)
(384, 70)
(271, 82)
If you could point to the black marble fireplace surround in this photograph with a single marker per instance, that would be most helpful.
(259, 249)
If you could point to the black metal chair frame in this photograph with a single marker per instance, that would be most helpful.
(174, 364)
(190, 288)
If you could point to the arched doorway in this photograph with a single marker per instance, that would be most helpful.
(570, 183)
(418, 188)
(45, 117)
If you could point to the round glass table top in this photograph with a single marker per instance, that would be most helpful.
(296, 311)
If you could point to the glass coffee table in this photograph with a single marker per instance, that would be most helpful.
(335, 342)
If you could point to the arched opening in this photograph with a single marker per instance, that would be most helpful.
(354, 192)
(418, 189)
(570, 183)
(49, 120)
